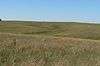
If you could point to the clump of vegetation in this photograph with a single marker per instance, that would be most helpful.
(0, 20)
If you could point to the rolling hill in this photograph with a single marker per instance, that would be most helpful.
(49, 44)
(64, 29)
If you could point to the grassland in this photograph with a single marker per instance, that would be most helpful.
(74, 30)
(49, 44)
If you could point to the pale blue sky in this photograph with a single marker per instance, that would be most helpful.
(51, 10)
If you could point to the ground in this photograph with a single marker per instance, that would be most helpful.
(49, 44)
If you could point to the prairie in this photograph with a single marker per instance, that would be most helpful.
(49, 44)
(64, 29)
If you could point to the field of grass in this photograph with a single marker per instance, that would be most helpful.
(74, 30)
(49, 44)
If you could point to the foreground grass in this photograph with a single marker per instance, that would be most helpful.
(74, 30)
(37, 50)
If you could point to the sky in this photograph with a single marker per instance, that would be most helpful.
(50, 10)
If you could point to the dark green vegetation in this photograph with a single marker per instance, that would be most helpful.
(76, 30)
(49, 44)
(0, 19)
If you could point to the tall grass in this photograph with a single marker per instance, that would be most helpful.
(37, 50)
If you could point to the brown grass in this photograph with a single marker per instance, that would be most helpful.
(37, 50)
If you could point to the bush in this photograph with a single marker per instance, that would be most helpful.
(0, 19)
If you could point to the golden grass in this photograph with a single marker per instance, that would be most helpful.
(49, 44)
(64, 29)
(38, 50)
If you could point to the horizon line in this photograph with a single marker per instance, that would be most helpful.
(75, 21)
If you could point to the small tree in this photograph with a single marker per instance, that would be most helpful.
(0, 20)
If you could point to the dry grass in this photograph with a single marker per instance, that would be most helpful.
(49, 44)
(37, 50)
(73, 30)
